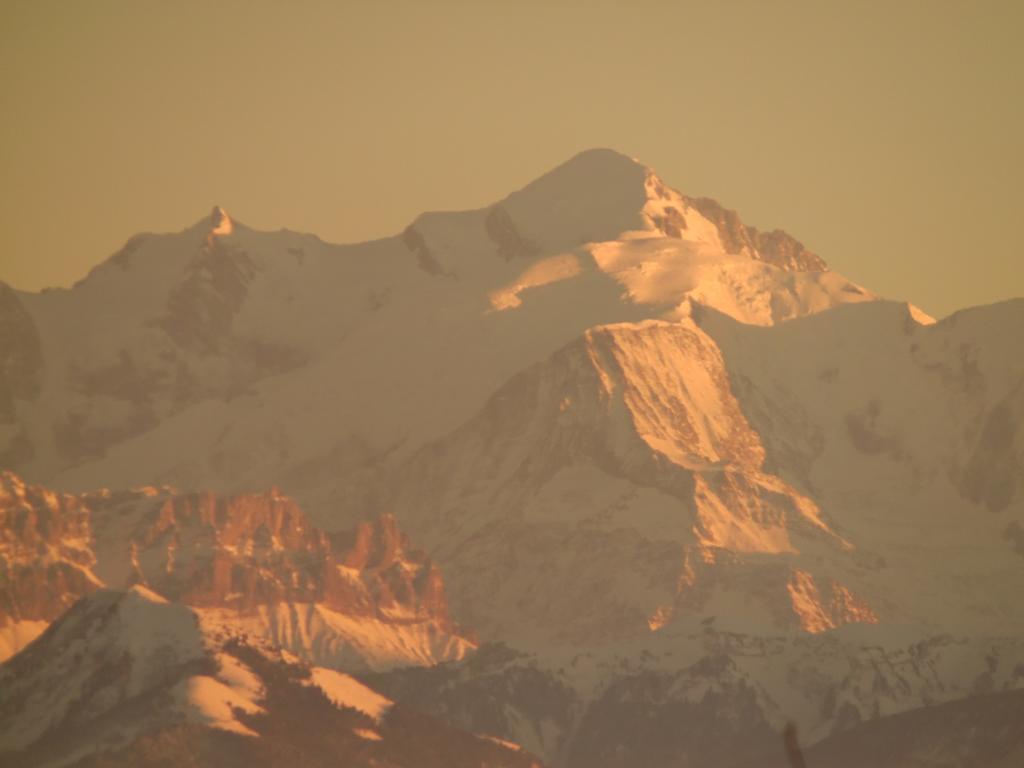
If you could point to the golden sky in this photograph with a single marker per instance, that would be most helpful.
(885, 135)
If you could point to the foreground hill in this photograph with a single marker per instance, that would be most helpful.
(128, 679)
(702, 693)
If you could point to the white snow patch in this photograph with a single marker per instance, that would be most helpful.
(539, 273)
(345, 691)
(18, 634)
(239, 677)
(211, 702)
(331, 638)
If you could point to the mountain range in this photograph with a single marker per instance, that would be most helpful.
(598, 470)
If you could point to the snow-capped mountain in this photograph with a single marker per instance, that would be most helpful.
(808, 474)
(221, 356)
(246, 563)
(686, 471)
(622, 467)
(127, 679)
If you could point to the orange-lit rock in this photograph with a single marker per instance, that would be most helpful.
(242, 553)
(820, 610)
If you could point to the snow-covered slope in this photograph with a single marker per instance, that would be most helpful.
(850, 466)
(128, 679)
(247, 563)
(854, 469)
(906, 436)
(622, 470)
(221, 356)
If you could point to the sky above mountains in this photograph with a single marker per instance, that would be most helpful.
(884, 136)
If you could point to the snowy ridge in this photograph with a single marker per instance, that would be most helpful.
(331, 638)
(108, 626)
(179, 339)
(121, 668)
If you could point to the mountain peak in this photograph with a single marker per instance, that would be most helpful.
(220, 222)
(605, 195)
(594, 196)
(601, 159)
(590, 175)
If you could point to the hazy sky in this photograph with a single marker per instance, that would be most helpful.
(885, 135)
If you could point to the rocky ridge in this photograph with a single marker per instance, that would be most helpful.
(238, 559)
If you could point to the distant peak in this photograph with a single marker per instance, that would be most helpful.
(594, 195)
(603, 156)
(596, 166)
(220, 222)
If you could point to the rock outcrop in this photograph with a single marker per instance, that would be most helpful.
(240, 555)
(776, 247)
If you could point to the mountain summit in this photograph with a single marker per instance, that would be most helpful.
(220, 222)
(596, 195)
(601, 195)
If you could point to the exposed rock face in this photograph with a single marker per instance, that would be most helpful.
(671, 222)
(992, 475)
(823, 609)
(502, 230)
(45, 553)
(544, 486)
(775, 247)
(200, 311)
(243, 554)
(425, 258)
(249, 550)
(21, 356)
(406, 584)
